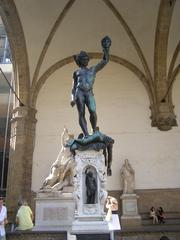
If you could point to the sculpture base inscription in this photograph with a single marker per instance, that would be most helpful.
(54, 211)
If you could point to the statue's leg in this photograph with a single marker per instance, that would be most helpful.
(125, 190)
(52, 178)
(80, 102)
(60, 185)
(91, 104)
(109, 149)
(105, 156)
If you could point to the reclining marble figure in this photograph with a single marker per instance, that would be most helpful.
(61, 172)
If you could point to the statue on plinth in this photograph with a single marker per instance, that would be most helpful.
(82, 95)
(127, 177)
(61, 171)
(130, 215)
(93, 152)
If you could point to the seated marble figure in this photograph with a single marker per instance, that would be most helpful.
(61, 171)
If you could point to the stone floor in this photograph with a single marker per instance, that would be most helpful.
(144, 232)
(152, 232)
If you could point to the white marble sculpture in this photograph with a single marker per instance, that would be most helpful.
(112, 206)
(127, 177)
(61, 172)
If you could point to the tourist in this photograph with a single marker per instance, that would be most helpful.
(24, 217)
(3, 219)
(153, 215)
(160, 215)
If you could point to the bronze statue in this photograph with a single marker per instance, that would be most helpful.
(96, 142)
(91, 187)
(82, 91)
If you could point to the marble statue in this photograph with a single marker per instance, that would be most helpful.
(61, 172)
(112, 206)
(128, 177)
(82, 91)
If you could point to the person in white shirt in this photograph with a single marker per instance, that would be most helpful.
(3, 220)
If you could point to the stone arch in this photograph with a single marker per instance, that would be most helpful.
(131, 36)
(17, 43)
(48, 41)
(175, 73)
(139, 74)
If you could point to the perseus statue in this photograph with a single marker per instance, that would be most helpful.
(82, 91)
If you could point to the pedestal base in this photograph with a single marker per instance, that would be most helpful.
(99, 236)
(130, 221)
(89, 227)
(54, 211)
(90, 216)
(130, 216)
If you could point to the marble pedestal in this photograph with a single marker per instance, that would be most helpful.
(130, 216)
(54, 211)
(89, 218)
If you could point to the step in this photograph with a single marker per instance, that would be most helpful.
(167, 215)
(36, 235)
(170, 221)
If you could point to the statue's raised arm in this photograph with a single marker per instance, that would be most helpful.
(105, 43)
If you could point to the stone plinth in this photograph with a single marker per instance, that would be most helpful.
(37, 235)
(130, 216)
(54, 211)
(89, 218)
(99, 236)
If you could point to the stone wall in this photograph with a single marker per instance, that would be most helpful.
(124, 115)
(166, 198)
(37, 236)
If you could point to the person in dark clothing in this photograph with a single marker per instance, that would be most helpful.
(160, 215)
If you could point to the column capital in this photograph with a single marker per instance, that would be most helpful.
(23, 112)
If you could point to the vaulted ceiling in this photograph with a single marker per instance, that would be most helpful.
(44, 35)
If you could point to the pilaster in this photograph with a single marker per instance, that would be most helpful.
(23, 125)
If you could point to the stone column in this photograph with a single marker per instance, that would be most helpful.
(164, 117)
(20, 159)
